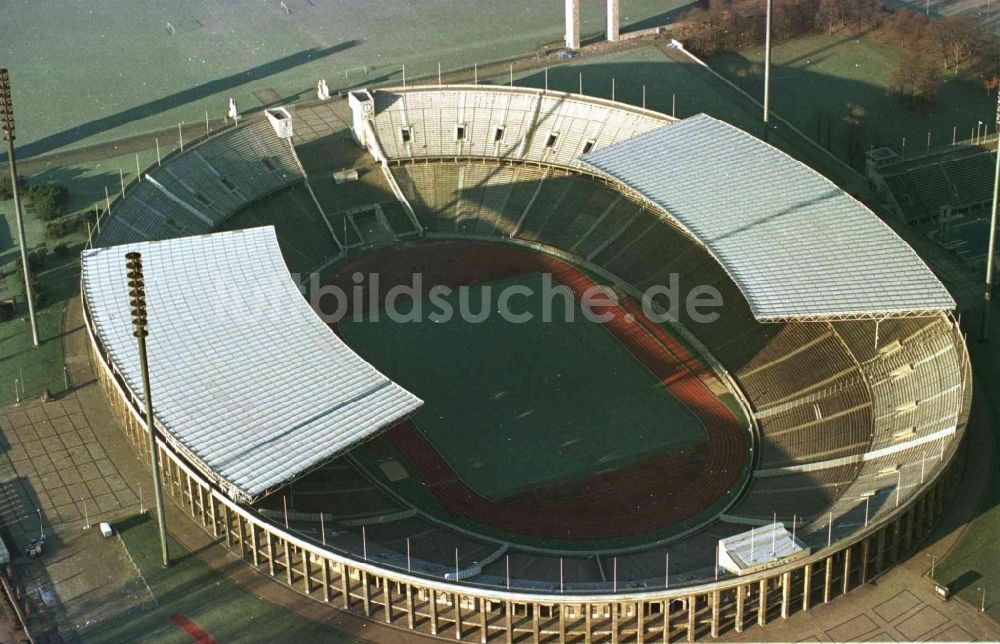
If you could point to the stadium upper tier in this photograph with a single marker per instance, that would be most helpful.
(250, 384)
(194, 192)
(798, 246)
(507, 122)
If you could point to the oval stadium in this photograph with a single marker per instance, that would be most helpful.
(495, 363)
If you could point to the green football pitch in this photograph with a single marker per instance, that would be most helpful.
(513, 407)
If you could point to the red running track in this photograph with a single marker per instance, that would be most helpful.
(648, 495)
(190, 627)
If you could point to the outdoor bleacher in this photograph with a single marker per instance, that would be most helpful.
(962, 180)
(194, 192)
(303, 233)
(527, 124)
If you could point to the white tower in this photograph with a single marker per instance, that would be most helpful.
(613, 20)
(572, 24)
(362, 110)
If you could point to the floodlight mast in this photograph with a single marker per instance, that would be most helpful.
(140, 326)
(767, 69)
(985, 336)
(7, 125)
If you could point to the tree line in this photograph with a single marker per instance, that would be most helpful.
(929, 49)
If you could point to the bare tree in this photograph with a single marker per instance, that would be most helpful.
(915, 78)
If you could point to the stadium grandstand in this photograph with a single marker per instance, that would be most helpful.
(957, 182)
(831, 391)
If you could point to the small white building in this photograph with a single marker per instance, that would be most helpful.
(759, 549)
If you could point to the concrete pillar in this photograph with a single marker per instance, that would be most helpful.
(741, 596)
(640, 620)
(613, 20)
(866, 548)
(240, 536)
(716, 598)
(254, 552)
(270, 553)
(387, 594)
(692, 616)
(509, 615)
(288, 562)
(847, 570)
(666, 621)
(345, 585)
(786, 594)
(366, 594)
(562, 624)
(227, 522)
(807, 587)
(535, 625)
(433, 606)
(827, 579)
(326, 579)
(482, 620)
(458, 617)
(762, 603)
(573, 24)
(409, 607)
(587, 622)
(614, 624)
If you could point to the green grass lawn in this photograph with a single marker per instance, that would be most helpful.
(670, 87)
(122, 73)
(676, 85)
(222, 609)
(40, 368)
(512, 407)
(838, 82)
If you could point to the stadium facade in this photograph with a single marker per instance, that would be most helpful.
(837, 341)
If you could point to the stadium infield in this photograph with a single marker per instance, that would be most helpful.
(555, 430)
(513, 407)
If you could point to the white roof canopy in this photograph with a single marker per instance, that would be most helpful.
(758, 549)
(797, 246)
(247, 380)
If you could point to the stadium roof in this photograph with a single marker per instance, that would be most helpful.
(797, 246)
(247, 380)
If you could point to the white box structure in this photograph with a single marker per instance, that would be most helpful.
(761, 548)
(281, 121)
(363, 110)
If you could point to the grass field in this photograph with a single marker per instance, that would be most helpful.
(190, 588)
(513, 407)
(121, 72)
(670, 87)
(828, 82)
